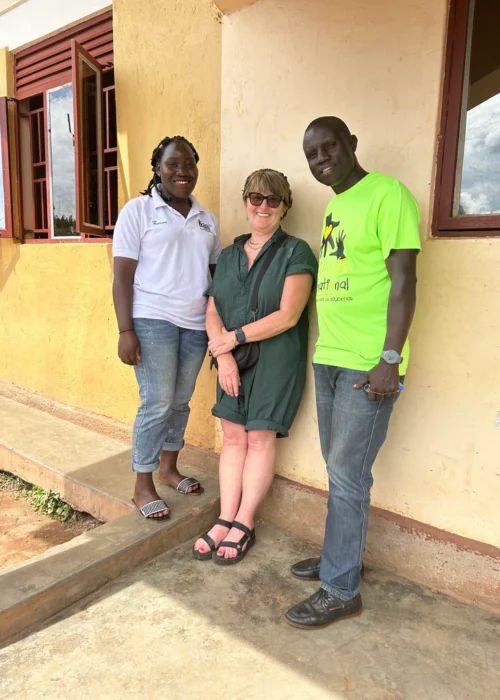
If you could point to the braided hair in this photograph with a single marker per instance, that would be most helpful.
(157, 156)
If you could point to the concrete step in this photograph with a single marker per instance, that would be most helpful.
(92, 473)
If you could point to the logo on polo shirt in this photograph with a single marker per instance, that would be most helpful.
(204, 226)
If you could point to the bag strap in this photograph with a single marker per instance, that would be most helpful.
(273, 249)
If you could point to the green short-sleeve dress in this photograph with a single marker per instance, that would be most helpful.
(271, 390)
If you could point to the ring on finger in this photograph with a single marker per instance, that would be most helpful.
(369, 390)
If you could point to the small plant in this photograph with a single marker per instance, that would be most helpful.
(9, 482)
(49, 503)
(45, 502)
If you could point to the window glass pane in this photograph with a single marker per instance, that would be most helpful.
(3, 222)
(478, 176)
(62, 160)
(91, 143)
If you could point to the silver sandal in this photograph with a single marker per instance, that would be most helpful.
(153, 507)
(184, 486)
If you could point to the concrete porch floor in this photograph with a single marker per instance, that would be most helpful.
(179, 628)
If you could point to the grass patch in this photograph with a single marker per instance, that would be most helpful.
(9, 482)
(45, 502)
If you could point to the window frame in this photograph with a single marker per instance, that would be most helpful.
(50, 64)
(78, 55)
(444, 223)
(8, 231)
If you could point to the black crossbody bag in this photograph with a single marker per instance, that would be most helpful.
(247, 354)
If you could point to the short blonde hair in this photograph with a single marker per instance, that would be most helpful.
(272, 181)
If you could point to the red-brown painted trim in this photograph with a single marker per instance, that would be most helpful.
(413, 527)
(303, 487)
(48, 164)
(47, 64)
(57, 241)
(7, 232)
(82, 226)
(435, 534)
(466, 233)
(18, 203)
(444, 224)
(69, 34)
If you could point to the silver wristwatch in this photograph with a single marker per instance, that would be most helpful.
(392, 357)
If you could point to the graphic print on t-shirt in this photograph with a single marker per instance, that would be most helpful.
(362, 226)
(334, 263)
(330, 225)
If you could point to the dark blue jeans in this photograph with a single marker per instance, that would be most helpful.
(352, 430)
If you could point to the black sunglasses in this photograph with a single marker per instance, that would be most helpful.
(273, 200)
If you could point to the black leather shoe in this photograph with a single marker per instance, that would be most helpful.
(308, 569)
(321, 609)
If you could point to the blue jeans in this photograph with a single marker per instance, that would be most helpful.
(352, 430)
(171, 358)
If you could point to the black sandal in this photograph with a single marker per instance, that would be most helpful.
(206, 537)
(249, 537)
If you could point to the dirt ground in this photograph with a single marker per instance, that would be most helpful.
(25, 533)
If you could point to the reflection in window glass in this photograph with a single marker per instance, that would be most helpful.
(479, 171)
(91, 143)
(480, 192)
(62, 160)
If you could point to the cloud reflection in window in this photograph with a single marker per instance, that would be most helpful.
(480, 190)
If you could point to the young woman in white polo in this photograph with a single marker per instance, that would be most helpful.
(165, 249)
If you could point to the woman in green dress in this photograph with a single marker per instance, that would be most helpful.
(258, 404)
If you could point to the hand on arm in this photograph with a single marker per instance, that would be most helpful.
(295, 295)
(229, 376)
(129, 349)
(401, 265)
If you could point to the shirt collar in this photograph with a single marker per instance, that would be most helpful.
(158, 202)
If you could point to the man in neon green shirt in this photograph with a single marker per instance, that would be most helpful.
(366, 296)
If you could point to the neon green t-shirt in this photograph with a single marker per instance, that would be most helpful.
(361, 228)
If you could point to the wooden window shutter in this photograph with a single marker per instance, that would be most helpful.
(11, 220)
(47, 64)
(89, 132)
(5, 189)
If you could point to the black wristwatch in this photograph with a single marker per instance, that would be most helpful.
(240, 336)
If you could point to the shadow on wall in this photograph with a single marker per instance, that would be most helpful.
(9, 255)
(123, 171)
(109, 253)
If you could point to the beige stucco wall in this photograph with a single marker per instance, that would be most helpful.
(6, 73)
(379, 66)
(229, 6)
(168, 81)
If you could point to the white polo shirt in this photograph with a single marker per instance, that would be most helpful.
(173, 254)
